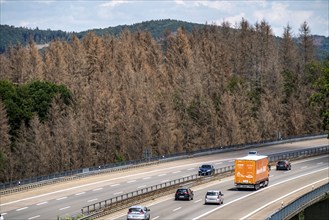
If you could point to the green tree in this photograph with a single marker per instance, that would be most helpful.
(321, 96)
(23, 101)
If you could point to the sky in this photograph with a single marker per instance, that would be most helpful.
(77, 15)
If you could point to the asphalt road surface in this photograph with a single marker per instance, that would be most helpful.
(66, 199)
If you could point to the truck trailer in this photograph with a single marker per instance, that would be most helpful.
(251, 172)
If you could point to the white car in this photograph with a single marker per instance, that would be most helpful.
(214, 196)
(138, 212)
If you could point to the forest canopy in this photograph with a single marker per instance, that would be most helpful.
(22, 101)
(103, 99)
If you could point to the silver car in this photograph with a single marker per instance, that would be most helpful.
(138, 212)
(214, 196)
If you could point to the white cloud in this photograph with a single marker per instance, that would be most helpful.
(24, 24)
(45, 1)
(277, 12)
(235, 20)
(179, 2)
(219, 5)
(113, 3)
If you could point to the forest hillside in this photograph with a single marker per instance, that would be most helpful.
(11, 35)
(104, 99)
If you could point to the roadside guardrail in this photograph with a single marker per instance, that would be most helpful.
(306, 200)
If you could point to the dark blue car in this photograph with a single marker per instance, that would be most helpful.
(206, 169)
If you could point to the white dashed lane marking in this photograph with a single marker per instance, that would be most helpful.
(37, 216)
(78, 194)
(42, 203)
(198, 201)
(97, 189)
(67, 207)
(92, 200)
(61, 198)
(21, 209)
(176, 209)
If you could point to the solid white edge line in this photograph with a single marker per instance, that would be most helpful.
(215, 209)
(250, 214)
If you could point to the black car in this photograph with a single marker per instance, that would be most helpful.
(283, 165)
(184, 194)
(206, 169)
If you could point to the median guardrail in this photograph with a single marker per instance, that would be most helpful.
(108, 206)
(34, 182)
(308, 199)
(114, 204)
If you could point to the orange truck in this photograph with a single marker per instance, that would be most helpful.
(251, 172)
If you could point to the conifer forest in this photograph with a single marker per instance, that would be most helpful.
(104, 99)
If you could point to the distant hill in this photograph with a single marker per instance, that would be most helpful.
(10, 35)
(322, 45)
(156, 27)
(20, 35)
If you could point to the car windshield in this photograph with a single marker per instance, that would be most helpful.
(211, 193)
(206, 166)
(181, 190)
(281, 162)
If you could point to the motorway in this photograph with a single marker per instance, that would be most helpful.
(65, 199)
